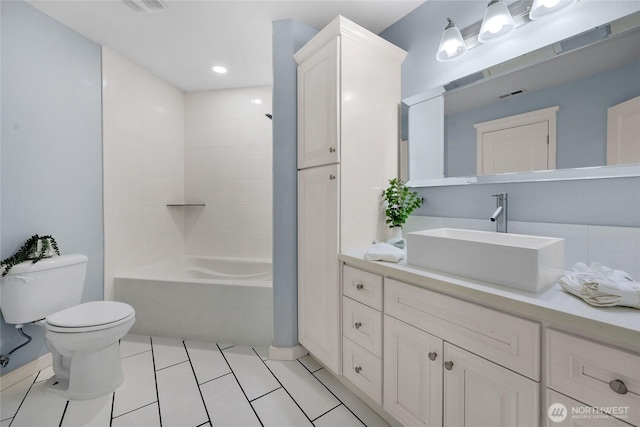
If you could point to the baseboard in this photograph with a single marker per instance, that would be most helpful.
(287, 353)
(25, 371)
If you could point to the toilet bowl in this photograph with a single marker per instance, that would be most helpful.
(84, 343)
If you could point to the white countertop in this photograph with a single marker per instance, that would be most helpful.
(551, 306)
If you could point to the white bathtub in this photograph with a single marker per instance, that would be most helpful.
(225, 300)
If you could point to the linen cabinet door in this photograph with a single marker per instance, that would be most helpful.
(319, 312)
(318, 118)
(480, 393)
(412, 374)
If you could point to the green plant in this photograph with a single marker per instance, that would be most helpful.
(35, 248)
(399, 202)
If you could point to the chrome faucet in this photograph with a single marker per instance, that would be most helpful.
(500, 214)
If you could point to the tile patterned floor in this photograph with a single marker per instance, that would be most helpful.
(169, 383)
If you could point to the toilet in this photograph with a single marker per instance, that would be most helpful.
(83, 337)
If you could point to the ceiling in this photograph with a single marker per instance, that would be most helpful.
(181, 44)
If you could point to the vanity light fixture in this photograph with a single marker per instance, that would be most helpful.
(543, 8)
(219, 69)
(452, 44)
(497, 22)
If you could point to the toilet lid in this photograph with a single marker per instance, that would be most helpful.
(94, 313)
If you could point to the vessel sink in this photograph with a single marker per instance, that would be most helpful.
(529, 263)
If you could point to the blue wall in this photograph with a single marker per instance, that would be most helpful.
(51, 150)
(288, 37)
(613, 202)
(582, 119)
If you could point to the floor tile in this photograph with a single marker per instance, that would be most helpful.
(227, 404)
(134, 344)
(277, 409)
(12, 397)
(40, 408)
(180, 400)
(45, 374)
(357, 406)
(255, 379)
(207, 360)
(94, 412)
(6, 422)
(147, 416)
(139, 387)
(263, 352)
(224, 346)
(167, 352)
(339, 416)
(312, 397)
(310, 363)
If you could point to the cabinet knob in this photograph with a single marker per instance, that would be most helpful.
(357, 369)
(358, 325)
(359, 286)
(332, 177)
(433, 355)
(448, 365)
(332, 150)
(618, 386)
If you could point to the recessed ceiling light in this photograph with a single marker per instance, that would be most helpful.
(256, 101)
(219, 69)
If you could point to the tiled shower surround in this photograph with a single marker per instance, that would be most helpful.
(162, 146)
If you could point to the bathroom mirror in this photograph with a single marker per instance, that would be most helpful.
(575, 82)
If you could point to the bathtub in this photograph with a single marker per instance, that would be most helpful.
(224, 300)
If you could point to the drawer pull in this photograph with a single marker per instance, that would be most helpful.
(359, 286)
(448, 365)
(433, 355)
(618, 386)
(357, 369)
(332, 150)
(358, 325)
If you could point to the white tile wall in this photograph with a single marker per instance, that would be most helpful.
(162, 146)
(143, 126)
(228, 167)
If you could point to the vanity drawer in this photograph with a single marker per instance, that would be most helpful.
(362, 325)
(507, 340)
(363, 369)
(589, 371)
(362, 286)
(577, 414)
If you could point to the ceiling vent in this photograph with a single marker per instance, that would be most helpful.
(145, 6)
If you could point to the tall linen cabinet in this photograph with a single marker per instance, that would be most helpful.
(348, 110)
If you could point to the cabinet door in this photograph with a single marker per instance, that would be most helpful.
(318, 282)
(480, 393)
(412, 374)
(318, 112)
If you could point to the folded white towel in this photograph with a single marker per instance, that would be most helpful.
(602, 286)
(384, 252)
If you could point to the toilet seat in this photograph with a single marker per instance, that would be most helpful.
(90, 316)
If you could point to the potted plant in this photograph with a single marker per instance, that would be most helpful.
(400, 201)
(35, 249)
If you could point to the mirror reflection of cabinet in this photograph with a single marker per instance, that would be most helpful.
(623, 133)
(521, 143)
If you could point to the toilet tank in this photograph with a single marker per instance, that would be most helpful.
(31, 292)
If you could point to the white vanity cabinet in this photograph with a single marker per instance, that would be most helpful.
(348, 103)
(436, 361)
(362, 330)
(598, 375)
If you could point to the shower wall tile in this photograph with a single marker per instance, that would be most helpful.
(143, 155)
(228, 166)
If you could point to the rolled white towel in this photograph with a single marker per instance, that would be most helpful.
(384, 252)
(602, 286)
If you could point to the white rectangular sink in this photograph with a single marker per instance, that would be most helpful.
(529, 263)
